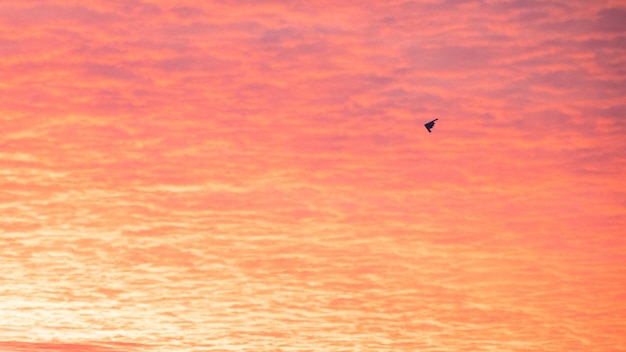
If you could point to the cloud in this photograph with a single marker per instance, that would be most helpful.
(249, 175)
(452, 58)
(612, 20)
(62, 347)
(53, 14)
(108, 71)
(194, 65)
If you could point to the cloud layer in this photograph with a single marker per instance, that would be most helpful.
(255, 175)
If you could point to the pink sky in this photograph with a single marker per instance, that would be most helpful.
(256, 176)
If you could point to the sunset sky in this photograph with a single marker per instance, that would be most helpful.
(255, 175)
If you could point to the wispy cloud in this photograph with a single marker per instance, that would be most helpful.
(256, 175)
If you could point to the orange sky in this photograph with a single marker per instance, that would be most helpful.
(256, 176)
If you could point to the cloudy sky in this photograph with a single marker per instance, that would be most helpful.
(256, 176)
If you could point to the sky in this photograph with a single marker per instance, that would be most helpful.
(243, 175)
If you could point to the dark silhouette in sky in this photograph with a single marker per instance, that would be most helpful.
(430, 125)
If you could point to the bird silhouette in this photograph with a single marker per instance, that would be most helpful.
(430, 125)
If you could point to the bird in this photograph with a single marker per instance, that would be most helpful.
(430, 125)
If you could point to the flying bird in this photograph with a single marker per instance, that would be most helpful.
(430, 125)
